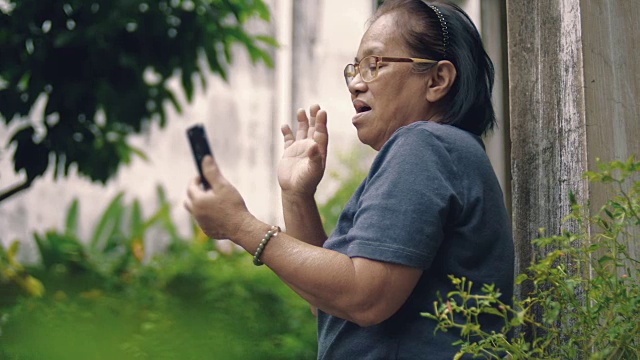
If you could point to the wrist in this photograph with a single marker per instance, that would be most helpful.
(244, 229)
(272, 232)
(297, 197)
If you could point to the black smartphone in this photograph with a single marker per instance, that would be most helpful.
(200, 147)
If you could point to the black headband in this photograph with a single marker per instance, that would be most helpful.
(443, 25)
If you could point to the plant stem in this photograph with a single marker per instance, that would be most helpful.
(16, 189)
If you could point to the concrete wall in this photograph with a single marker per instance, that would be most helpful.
(243, 119)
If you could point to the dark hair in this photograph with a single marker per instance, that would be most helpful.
(468, 103)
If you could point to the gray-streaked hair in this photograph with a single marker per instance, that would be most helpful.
(468, 103)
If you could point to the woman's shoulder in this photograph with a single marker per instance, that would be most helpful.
(428, 134)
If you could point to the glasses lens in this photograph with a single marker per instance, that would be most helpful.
(369, 68)
(349, 73)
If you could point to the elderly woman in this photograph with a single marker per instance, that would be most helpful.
(430, 206)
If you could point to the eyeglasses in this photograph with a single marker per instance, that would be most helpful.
(368, 66)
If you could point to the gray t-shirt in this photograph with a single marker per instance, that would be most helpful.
(431, 201)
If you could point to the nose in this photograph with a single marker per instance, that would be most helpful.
(357, 85)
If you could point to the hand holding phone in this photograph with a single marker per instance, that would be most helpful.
(200, 147)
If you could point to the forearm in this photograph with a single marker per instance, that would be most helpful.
(326, 279)
(302, 219)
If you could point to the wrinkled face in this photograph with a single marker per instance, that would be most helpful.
(397, 97)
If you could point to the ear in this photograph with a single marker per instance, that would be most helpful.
(440, 81)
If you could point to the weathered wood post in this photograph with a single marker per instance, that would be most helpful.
(574, 89)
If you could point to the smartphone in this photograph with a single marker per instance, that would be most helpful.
(200, 147)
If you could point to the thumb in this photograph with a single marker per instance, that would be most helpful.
(315, 153)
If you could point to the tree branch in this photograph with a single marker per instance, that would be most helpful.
(16, 189)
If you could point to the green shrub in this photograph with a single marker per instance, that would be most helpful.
(586, 287)
(197, 307)
(14, 277)
(352, 170)
(106, 299)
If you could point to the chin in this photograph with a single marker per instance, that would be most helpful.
(362, 137)
(367, 140)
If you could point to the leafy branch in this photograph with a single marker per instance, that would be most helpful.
(102, 70)
(587, 286)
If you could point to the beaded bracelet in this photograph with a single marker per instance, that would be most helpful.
(271, 233)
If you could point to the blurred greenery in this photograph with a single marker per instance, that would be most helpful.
(222, 309)
(107, 297)
(351, 170)
(103, 67)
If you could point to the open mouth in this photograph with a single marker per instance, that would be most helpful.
(361, 106)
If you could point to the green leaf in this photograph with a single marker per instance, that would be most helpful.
(23, 83)
(214, 63)
(43, 248)
(187, 84)
(491, 310)
(137, 224)
(71, 224)
(605, 259)
(227, 52)
(174, 101)
(109, 224)
(521, 278)
(268, 40)
(159, 215)
(165, 218)
(516, 321)
(139, 152)
(262, 10)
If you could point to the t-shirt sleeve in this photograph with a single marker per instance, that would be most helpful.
(409, 194)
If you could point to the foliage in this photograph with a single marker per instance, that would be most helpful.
(350, 173)
(108, 297)
(103, 67)
(13, 275)
(116, 246)
(587, 286)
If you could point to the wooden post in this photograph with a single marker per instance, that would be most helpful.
(494, 36)
(612, 86)
(574, 79)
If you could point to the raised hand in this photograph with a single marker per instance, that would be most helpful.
(305, 154)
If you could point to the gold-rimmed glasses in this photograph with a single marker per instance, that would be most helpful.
(369, 65)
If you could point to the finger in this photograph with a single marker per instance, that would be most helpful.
(212, 172)
(287, 134)
(188, 206)
(194, 192)
(195, 188)
(313, 111)
(303, 125)
(321, 135)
